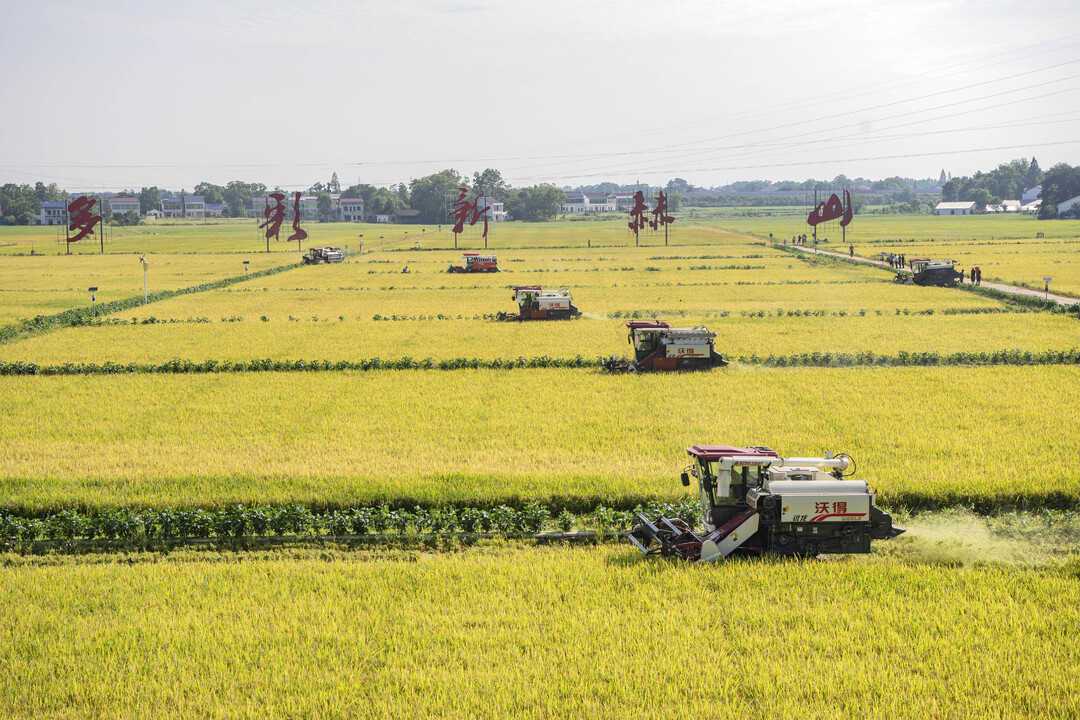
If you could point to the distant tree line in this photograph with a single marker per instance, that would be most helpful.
(1006, 182)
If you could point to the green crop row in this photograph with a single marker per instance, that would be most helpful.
(177, 366)
(88, 315)
(903, 359)
(147, 527)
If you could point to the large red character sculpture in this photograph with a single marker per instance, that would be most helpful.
(660, 216)
(463, 211)
(298, 234)
(833, 209)
(637, 213)
(274, 215)
(81, 218)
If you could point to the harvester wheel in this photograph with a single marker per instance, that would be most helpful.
(768, 502)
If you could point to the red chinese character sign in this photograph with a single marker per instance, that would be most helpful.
(275, 216)
(81, 218)
(463, 210)
(298, 234)
(829, 210)
(660, 216)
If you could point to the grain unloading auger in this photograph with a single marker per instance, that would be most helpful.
(754, 501)
(536, 303)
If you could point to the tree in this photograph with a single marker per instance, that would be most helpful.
(536, 203)
(19, 204)
(1060, 183)
(431, 195)
(211, 193)
(942, 180)
(325, 205)
(490, 182)
(981, 197)
(149, 199)
(383, 201)
(1034, 174)
(333, 186)
(237, 195)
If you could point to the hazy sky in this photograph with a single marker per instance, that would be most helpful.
(111, 94)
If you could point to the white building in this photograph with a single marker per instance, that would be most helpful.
(352, 209)
(53, 212)
(1072, 205)
(1010, 206)
(1031, 194)
(121, 205)
(588, 202)
(955, 208)
(186, 206)
(495, 210)
(1031, 207)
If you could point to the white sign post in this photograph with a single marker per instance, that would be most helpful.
(1046, 288)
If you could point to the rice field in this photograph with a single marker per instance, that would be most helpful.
(936, 436)
(1006, 247)
(514, 631)
(949, 620)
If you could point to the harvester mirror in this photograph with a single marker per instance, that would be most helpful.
(686, 479)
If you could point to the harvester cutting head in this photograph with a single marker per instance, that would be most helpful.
(536, 303)
(658, 346)
(754, 501)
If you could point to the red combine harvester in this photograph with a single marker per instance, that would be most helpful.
(658, 346)
(475, 262)
(536, 303)
(754, 501)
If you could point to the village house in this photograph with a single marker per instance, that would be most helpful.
(955, 208)
(185, 206)
(121, 205)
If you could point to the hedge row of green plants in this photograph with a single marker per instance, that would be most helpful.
(148, 527)
(88, 315)
(903, 358)
(177, 366)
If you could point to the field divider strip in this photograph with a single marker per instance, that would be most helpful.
(178, 366)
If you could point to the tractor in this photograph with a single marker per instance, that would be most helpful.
(317, 255)
(755, 502)
(929, 272)
(536, 303)
(658, 346)
(475, 262)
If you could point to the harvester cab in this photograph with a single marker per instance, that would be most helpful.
(754, 501)
(658, 346)
(475, 262)
(536, 303)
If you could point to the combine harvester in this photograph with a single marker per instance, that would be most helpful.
(536, 303)
(756, 502)
(658, 346)
(925, 271)
(319, 255)
(475, 263)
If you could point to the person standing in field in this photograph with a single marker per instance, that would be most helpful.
(978, 275)
(851, 250)
(961, 276)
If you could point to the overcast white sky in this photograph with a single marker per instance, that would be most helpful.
(115, 94)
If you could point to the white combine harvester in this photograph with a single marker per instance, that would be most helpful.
(536, 303)
(755, 501)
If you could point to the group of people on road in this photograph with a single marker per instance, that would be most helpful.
(897, 262)
(797, 239)
(975, 276)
